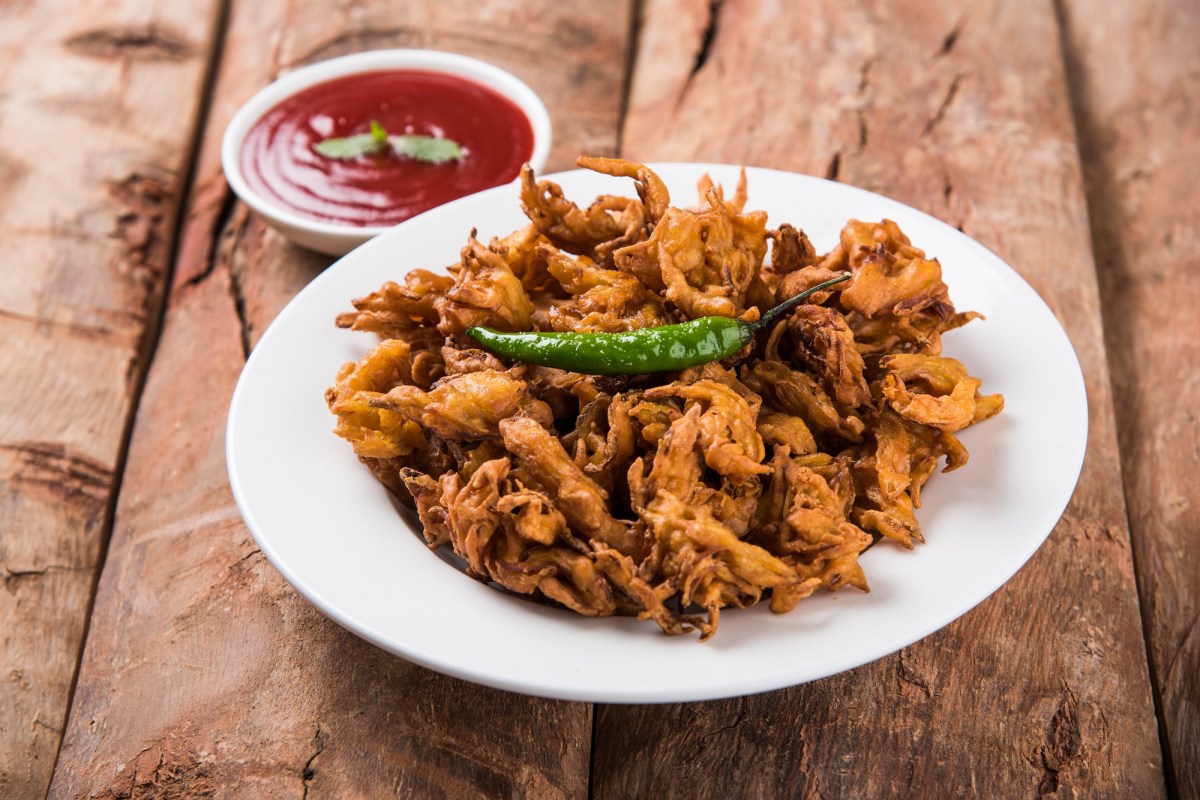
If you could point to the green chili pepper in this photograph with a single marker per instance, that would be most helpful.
(668, 347)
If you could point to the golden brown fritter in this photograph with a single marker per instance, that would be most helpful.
(936, 391)
(603, 442)
(602, 300)
(485, 292)
(596, 232)
(374, 431)
(797, 393)
(728, 438)
(466, 407)
(396, 310)
(674, 495)
(703, 262)
(890, 275)
(541, 456)
(825, 347)
(651, 190)
(406, 312)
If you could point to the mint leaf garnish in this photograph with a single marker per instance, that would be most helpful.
(349, 146)
(429, 149)
(378, 133)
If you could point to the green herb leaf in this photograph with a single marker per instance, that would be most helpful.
(354, 146)
(429, 149)
(379, 133)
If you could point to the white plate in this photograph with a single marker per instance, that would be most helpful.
(335, 533)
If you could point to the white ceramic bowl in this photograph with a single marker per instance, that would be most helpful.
(335, 239)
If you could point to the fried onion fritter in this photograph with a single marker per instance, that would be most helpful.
(936, 391)
(466, 407)
(596, 232)
(485, 292)
(602, 300)
(584, 503)
(675, 495)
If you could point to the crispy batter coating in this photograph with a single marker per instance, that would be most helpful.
(799, 394)
(936, 391)
(596, 232)
(825, 346)
(728, 436)
(468, 406)
(399, 311)
(485, 292)
(375, 432)
(602, 300)
(650, 188)
(890, 275)
(427, 496)
(668, 496)
(583, 502)
(704, 261)
(603, 442)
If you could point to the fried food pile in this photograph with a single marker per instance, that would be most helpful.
(673, 495)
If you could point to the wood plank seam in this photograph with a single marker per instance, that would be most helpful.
(636, 8)
(1072, 69)
(161, 45)
(91, 179)
(1091, 133)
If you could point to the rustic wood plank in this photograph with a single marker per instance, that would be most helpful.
(1135, 71)
(1043, 689)
(97, 115)
(204, 672)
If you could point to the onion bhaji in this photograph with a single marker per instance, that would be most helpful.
(673, 495)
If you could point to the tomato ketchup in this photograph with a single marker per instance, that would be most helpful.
(382, 188)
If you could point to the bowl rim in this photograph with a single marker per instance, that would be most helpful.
(295, 81)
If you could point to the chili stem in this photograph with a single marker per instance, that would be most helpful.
(792, 302)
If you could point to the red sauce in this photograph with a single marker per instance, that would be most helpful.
(279, 162)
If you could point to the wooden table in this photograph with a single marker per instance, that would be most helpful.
(148, 650)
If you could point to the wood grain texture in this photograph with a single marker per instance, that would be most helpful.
(205, 674)
(97, 115)
(1136, 72)
(1043, 689)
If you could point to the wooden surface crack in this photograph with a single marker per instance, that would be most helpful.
(636, 8)
(310, 771)
(863, 99)
(951, 38)
(239, 306)
(223, 229)
(947, 99)
(62, 472)
(70, 326)
(153, 42)
(707, 36)
(834, 167)
(1063, 746)
(1186, 648)
(704, 45)
(905, 675)
(737, 722)
(10, 577)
